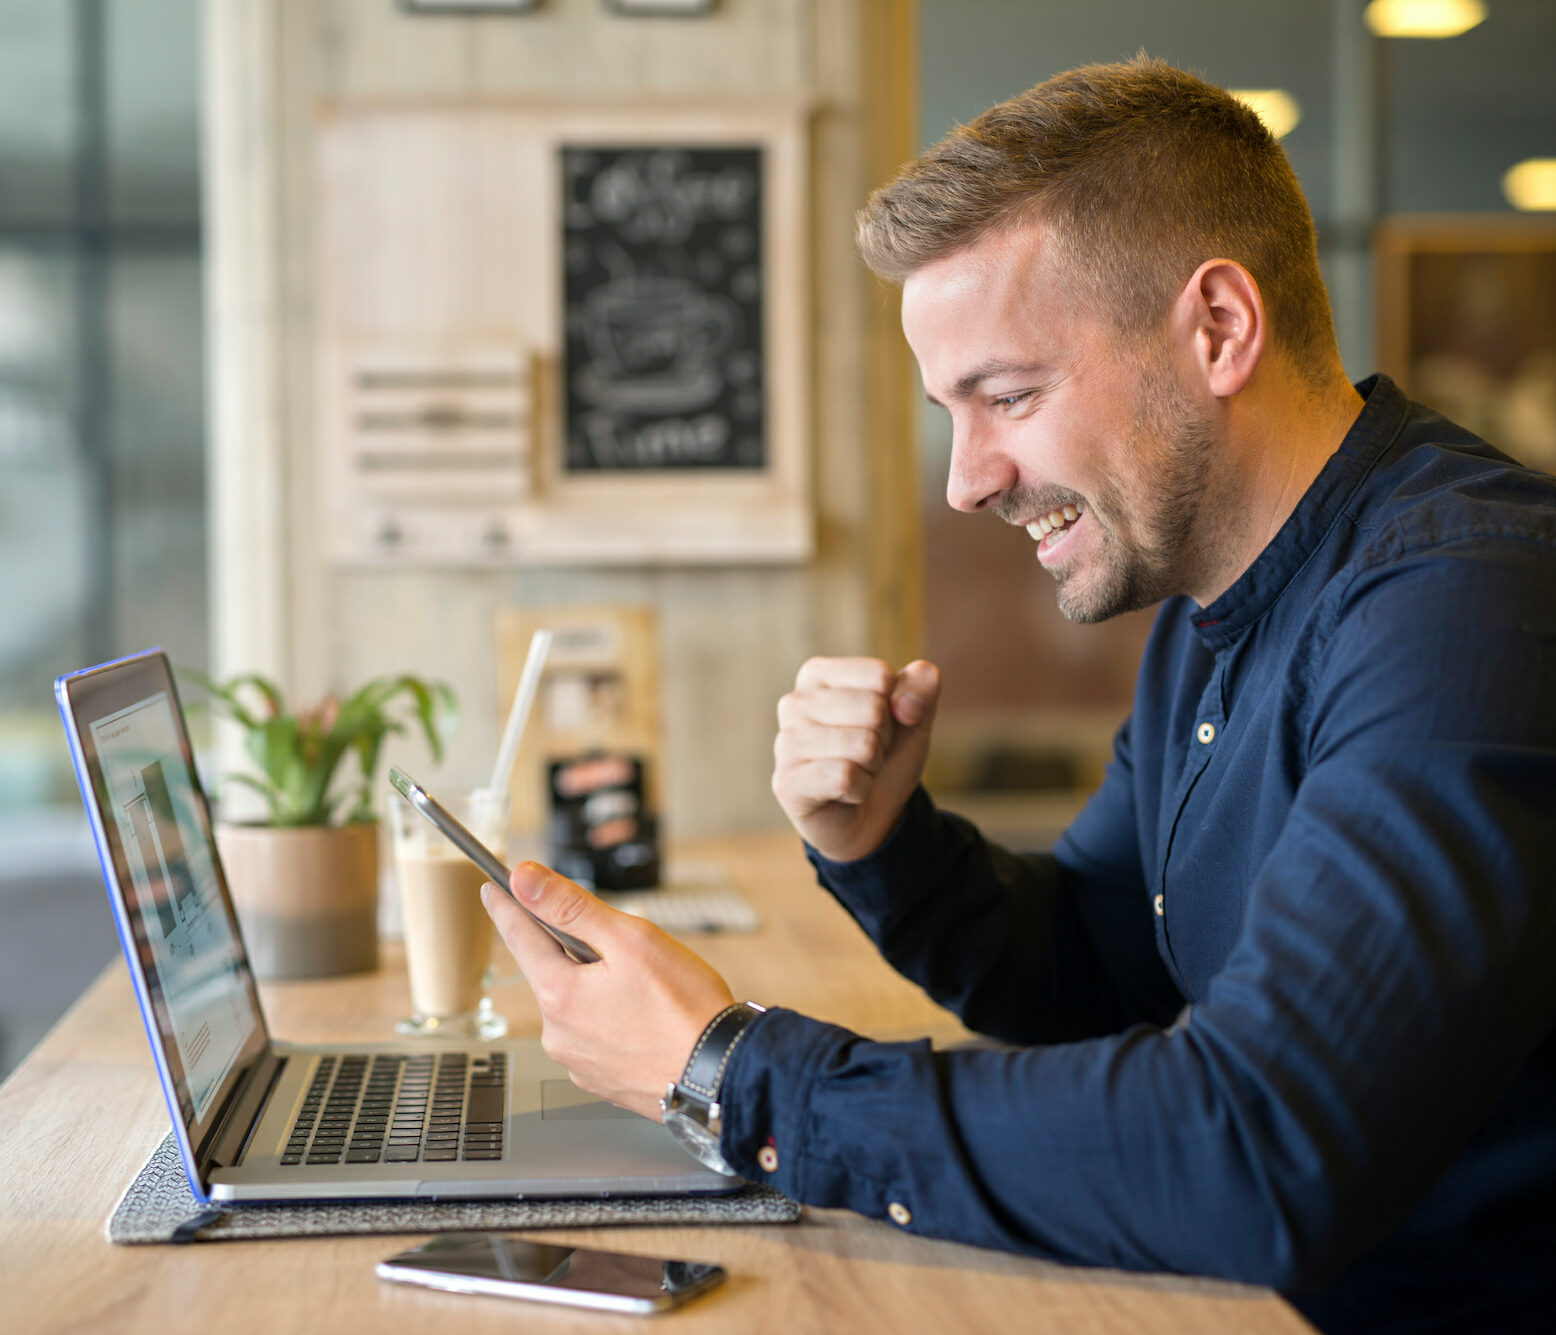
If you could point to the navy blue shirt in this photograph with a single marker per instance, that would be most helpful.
(1284, 993)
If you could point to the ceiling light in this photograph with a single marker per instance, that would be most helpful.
(1531, 185)
(1423, 18)
(1276, 107)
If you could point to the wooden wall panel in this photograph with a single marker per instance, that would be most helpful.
(731, 638)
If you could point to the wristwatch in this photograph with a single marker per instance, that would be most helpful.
(690, 1107)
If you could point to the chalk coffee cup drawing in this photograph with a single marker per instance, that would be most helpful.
(656, 345)
(448, 936)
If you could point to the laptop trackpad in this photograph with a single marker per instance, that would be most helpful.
(563, 1101)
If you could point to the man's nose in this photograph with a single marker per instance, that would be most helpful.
(980, 473)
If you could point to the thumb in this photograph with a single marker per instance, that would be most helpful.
(555, 901)
(916, 693)
(914, 696)
(551, 896)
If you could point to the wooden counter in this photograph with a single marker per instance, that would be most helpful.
(79, 1116)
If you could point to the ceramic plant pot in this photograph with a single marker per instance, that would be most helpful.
(306, 896)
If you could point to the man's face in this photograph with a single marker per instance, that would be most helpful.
(1055, 417)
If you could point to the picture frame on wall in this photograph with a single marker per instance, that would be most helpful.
(567, 334)
(663, 294)
(1466, 320)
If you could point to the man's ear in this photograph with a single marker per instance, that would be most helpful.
(1221, 313)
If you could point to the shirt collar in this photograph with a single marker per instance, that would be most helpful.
(1258, 587)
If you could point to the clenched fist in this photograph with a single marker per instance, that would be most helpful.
(852, 738)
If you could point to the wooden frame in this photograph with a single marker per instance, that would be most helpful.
(1466, 321)
(440, 285)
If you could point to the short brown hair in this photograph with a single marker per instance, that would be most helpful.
(1144, 172)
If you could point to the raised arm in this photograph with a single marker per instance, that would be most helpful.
(1026, 948)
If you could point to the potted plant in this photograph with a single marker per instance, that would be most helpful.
(304, 878)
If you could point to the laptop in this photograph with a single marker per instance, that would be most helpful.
(262, 1120)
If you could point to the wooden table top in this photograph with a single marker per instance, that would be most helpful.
(82, 1113)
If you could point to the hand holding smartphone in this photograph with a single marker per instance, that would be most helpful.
(483, 857)
(512, 1268)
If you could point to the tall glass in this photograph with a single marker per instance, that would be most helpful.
(448, 937)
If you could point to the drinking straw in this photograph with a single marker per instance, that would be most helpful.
(518, 716)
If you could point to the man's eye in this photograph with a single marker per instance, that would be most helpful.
(1011, 400)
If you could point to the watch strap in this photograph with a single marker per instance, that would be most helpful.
(704, 1073)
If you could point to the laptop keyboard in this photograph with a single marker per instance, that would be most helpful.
(401, 1108)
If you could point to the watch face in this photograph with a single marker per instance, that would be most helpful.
(697, 1141)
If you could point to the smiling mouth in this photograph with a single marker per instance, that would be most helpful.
(1045, 529)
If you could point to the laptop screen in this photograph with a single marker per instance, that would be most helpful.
(153, 819)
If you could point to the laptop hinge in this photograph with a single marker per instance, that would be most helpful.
(236, 1126)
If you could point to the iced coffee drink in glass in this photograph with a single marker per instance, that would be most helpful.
(448, 937)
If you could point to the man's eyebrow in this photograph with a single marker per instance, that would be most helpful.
(968, 384)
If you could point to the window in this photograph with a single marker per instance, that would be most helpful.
(102, 473)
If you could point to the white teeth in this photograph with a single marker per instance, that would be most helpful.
(1049, 525)
(1052, 522)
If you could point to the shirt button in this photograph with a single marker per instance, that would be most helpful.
(767, 1159)
(900, 1214)
(1206, 733)
(1157, 905)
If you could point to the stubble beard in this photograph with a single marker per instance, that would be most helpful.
(1146, 528)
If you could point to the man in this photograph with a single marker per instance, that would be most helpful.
(1284, 992)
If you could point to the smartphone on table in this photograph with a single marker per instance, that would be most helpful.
(482, 856)
(504, 1267)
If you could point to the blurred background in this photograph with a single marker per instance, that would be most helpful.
(169, 246)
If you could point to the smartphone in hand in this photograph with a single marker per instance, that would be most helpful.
(482, 856)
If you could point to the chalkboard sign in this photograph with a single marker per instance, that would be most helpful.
(663, 297)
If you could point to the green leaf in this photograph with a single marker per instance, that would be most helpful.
(264, 789)
(222, 699)
(273, 744)
(299, 752)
